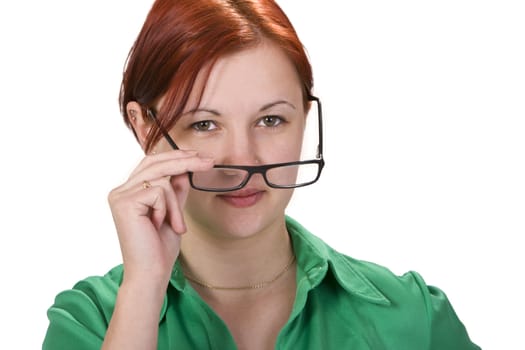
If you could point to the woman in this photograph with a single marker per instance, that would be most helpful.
(217, 93)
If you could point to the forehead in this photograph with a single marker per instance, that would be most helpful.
(251, 77)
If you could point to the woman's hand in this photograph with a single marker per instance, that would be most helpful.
(147, 210)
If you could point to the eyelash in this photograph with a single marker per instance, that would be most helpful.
(278, 119)
(196, 125)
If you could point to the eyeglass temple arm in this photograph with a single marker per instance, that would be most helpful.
(320, 115)
(168, 138)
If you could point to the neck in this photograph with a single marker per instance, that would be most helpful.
(232, 261)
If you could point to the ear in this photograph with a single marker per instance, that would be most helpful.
(140, 123)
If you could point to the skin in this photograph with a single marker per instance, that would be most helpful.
(251, 113)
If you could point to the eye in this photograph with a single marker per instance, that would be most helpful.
(271, 121)
(204, 125)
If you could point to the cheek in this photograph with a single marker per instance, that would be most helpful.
(285, 150)
(195, 203)
(162, 146)
(284, 196)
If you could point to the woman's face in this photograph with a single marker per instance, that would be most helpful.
(251, 113)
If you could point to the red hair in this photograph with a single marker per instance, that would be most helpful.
(181, 37)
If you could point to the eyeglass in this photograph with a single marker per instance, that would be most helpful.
(225, 178)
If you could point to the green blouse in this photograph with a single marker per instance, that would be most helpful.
(340, 303)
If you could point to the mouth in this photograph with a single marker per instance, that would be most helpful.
(243, 198)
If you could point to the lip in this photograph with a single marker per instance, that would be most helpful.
(243, 198)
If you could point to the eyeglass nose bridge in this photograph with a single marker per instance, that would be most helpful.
(250, 171)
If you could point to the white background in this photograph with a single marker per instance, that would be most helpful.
(424, 116)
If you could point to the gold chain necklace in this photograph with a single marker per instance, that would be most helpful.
(253, 286)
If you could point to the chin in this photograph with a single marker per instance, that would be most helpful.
(241, 225)
(226, 219)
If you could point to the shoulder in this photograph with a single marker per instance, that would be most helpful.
(359, 277)
(364, 279)
(387, 282)
(80, 315)
(391, 301)
(97, 292)
(409, 303)
(99, 289)
(406, 290)
(110, 281)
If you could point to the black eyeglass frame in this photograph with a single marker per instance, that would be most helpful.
(257, 169)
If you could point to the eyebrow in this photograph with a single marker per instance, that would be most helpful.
(262, 109)
(270, 105)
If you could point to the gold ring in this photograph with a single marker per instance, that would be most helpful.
(146, 185)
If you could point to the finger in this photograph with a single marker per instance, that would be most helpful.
(180, 186)
(156, 201)
(170, 239)
(169, 167)
(152, 158)
(173, 199)
(176, 218)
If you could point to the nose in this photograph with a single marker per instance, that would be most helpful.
(240, 148)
